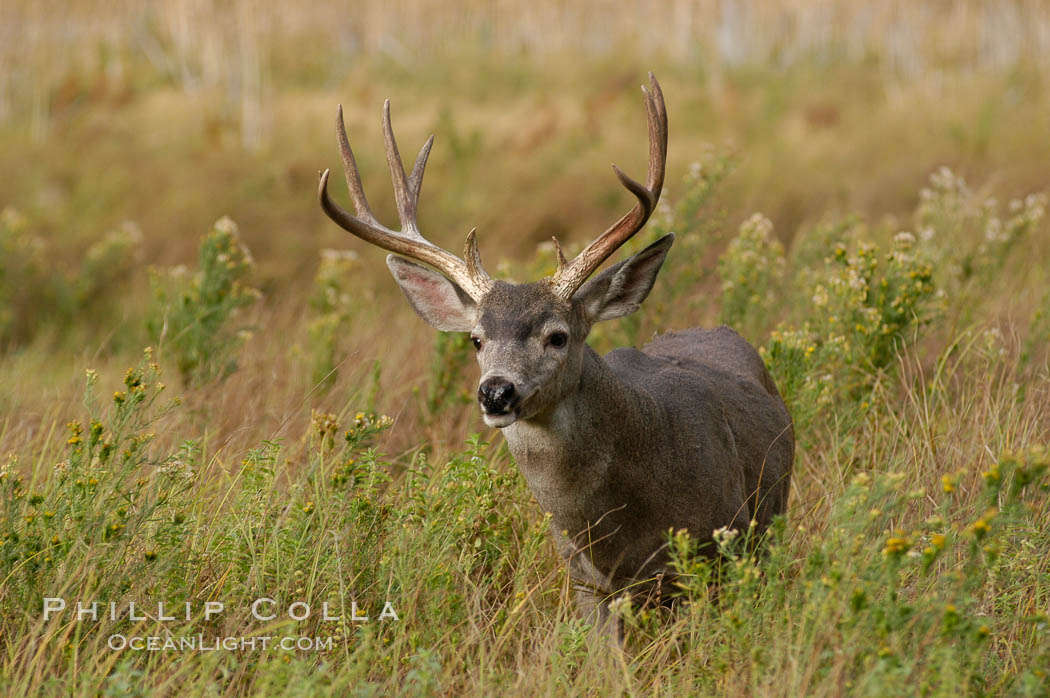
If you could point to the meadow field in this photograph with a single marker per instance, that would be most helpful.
(209, 394)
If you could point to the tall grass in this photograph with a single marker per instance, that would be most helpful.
(912, 556)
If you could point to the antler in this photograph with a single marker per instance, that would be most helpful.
(569, 277)
(469, 275)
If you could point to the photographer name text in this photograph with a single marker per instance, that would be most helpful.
(262, 609)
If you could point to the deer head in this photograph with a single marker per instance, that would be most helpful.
(530, 337)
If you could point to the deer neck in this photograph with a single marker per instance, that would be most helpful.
(569, 455)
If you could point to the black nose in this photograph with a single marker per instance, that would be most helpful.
(496, 395)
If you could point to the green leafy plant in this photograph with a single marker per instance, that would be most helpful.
(193, 315)
(25, 284)
(40, 288)
(446, 385)
(866, 306)
(332, 306)
(752, 270)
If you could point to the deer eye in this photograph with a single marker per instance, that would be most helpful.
(476, 341)
(558, 339)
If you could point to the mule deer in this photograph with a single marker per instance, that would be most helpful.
(687, 433)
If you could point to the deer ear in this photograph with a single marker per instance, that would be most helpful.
(620, 289)
(443, 304)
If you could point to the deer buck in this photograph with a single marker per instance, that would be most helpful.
(687, 433)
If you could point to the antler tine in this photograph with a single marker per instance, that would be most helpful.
(472, 256)
(353, 177)
(403, 193)
(415, 180)
(470, 276)
(570, 277)
(656, 111)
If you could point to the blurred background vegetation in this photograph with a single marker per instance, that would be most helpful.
(128, 128)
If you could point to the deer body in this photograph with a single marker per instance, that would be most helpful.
(617, 465)
(687, 433)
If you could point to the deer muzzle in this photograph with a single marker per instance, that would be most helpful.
(499, 401)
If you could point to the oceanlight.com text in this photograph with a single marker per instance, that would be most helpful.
(200, 643)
